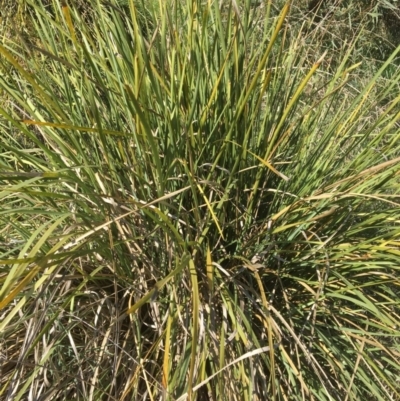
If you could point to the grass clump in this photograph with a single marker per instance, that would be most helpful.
(195, 206)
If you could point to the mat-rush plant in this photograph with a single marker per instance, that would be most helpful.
(191, 210)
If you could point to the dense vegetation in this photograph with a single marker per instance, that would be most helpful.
(199, 200)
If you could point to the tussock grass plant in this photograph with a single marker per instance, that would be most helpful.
(193, 207)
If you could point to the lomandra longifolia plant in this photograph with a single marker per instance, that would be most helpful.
(195, 204)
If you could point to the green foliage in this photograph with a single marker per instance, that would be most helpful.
(196, 203)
